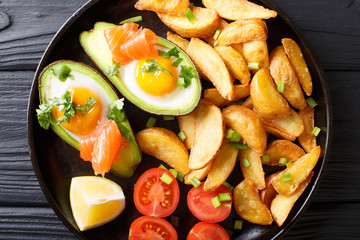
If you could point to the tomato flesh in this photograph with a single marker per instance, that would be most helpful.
(201, 206)
(153, 197)
(153, 228)
(207, 231)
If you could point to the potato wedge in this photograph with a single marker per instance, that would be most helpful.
(212, 66)
(282, 205)
(298, 63)
(248, 204)
(221, 166)
(306, 139)
(209, 135)
(255, 170)
(204, 25)
(239, 9)
(235, 62)
(181, 42)
(282, 71)
(269, 192)
(187, 125)
(248, 103)
(175, 7)
(255, 52)
(243, 31)
(164, 145)
(298, 172)
(288, 127)
(283, 148)
(245, 122)
(266, 99)
(213, 96)
(199, 174)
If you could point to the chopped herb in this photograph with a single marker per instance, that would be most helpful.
(43, 115)
(177, 62)
(168, 118)
(164, 54)
(235, 137)
(133, 19)
(216, 34)
(286, 177)
(173, 172)
(180, 176)
(195, 182)
(180, 82)
(223, 197)
(253, 66)
(187, 74)
(174, 221)
(229, 186)
(246, 162)
(288, 164)
(63, 72)
(216, 202)
(174, 52)
(238, 224)
(229, 133)
(311, 102)
(163, 167)
(151, 122)
(241, 146)
(113, 70)
(89, 104)
(152, 66)
(316, 131)
(280, 86)
(265, 158)
(182, 135)
(282, 161)
(117, 114)
(189, 15)
(166, 179)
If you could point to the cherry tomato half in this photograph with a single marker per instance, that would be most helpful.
(207, 231)
(201, 206)
(153, 228)
(153, 197)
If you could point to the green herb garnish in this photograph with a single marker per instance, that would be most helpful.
(151, 122)
(114, 70)
(117, 114)
(241, 146)
(189, 15)
(177, 62)
(152, 66)
(186, 74)
(133, 19)
(63, 72)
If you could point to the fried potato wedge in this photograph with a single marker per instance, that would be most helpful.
(306, 139)
(269, 192)
(282, 71)
(255, 52)
(181, 42)
(239, 9)
(204, 25)
(298, 63)
(209, 135)
(283, 149)
(288, 127)
(212, 66)
(266, 99)
(298, 172)
(255, 170)
(282, 205)
(245, 122)
(248, 103)
(235, 62)
(175, 7)
(187, 125)
(221, 166)
(213, 96)
(248, 204)
(164, 145)
(199, 174)
(243, 31)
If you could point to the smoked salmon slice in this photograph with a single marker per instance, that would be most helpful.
(129, 42)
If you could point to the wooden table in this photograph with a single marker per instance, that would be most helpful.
(333, 30)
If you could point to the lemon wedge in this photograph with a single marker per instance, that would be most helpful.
(95, 201)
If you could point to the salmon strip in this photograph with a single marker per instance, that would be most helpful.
(86, 146)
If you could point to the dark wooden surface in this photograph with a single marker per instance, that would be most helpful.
(332, 28)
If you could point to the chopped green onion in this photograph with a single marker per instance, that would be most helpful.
(151, 122)
(235, 137)
(286, 177)
(187, 74)
(288, 164)
(265, 158)
(191, 4)
(223, 197)
(316, 131)
(280, 86)
(113, 70)
(166, 179)
(238, 224)
(173, 172)
(182, 135)
(63, 72)
(174, 221)
(311, 102)
(195, 182)
(133, 19)
(216, 202)
(282, 161)
(177, 62)
(246, 162)
(180, 177)
(168, 118)
(189, 15)
(163, 167)
(164, 54)
(241, 146)
(253, 66)
(180, 82)
(229, 231)
(229, 133)
(229, 186)
(217, 33)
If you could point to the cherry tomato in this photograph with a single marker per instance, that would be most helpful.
(207, 231)
(153, 228)
(153, 197)
(201, 206)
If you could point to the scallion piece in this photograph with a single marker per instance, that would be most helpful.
(246, 162)
(280, 86)
(177, 62)
(166, 179)
(311, 102)
(151, 122)
(180, 82)
(189, 15)
(223, 197)
(216, 34)
(182, 135)
(163, 167)
(229, 186)
(173, 172)
(286, 177)
(253, 66)
(288, 164)
(229, 231)
(164, 54)
(238, 224)
(180, 177)
(235, 137)
(133, 19)
(168, 118)
(229, 133)
(174, 221)
(282, 161)
(241, 146)
(216, 202)
(316, 131)
(195, 182)
(265, 158)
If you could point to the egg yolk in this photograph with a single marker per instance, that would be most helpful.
(159, 82)
(82, 125)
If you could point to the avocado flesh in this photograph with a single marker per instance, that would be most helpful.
(95, 45)
(130, 156)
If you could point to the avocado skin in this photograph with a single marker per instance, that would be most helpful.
(95, 45)
(130, 156)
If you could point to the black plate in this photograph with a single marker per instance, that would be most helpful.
(55, 162)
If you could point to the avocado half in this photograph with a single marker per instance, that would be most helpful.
(130, 156)
(96, 47)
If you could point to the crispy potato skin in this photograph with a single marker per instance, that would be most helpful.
(213, 96)
(181, 42)
(269, 192)
(255, 171)
(176, 7)
(245, 122)
(306, 139)
(255, 51)
(164, 145)
(187, 124)
(283, 148)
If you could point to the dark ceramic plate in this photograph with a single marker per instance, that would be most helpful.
(55, 162)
